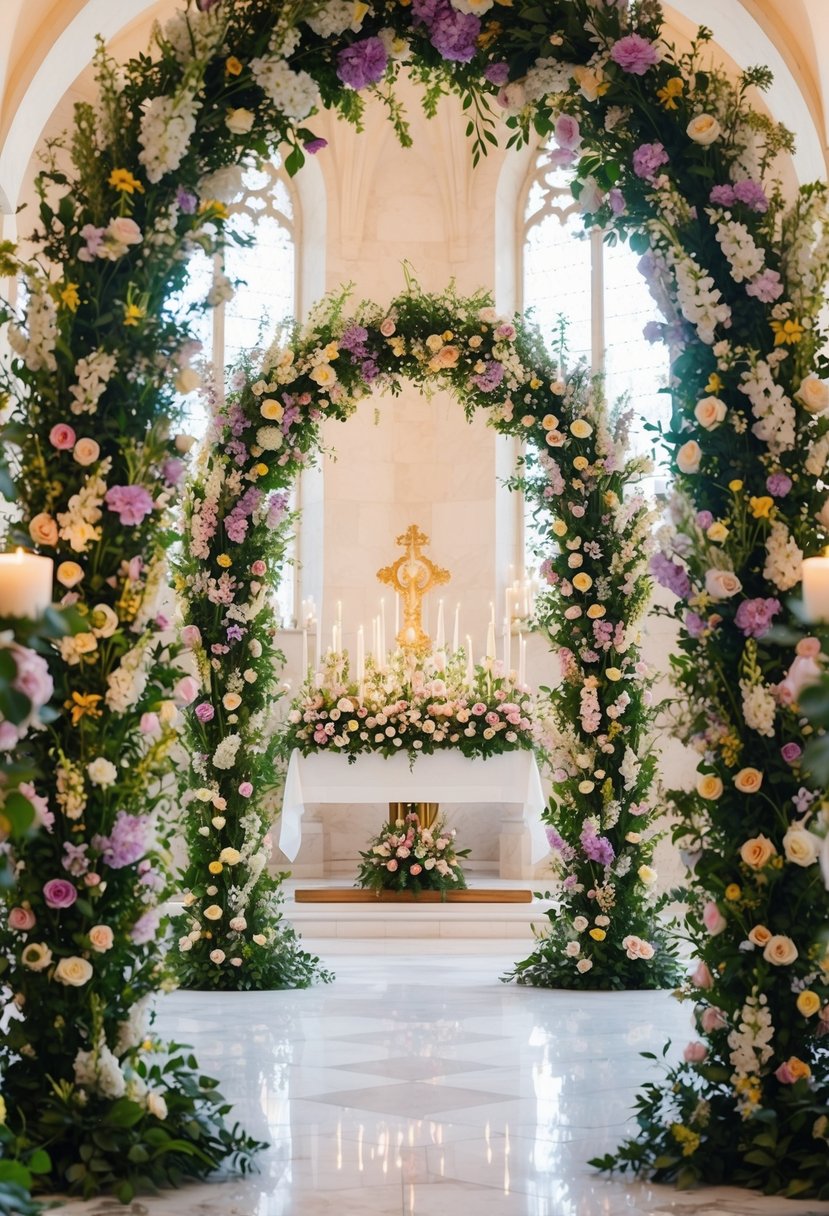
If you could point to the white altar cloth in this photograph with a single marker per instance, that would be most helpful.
(446, 776)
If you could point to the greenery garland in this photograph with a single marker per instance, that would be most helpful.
(606, 933)
(666, 150)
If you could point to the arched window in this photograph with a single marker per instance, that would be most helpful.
(574, 278)
(263, 274)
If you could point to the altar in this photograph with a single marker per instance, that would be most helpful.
(510, 779)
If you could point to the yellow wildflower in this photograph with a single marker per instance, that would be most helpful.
(83, 704)
(733, 891)
(598, 935)
(686, 1138)
(233, 66)
(123, 180)
(735, 486)
(217, 210)
(134, 314)
(761, 508)
(535, 383)
(786, 333)
(224, 561)
(70, 296)
(714, 384)
(260, 469)
(215, 867)
(447, 335)
(670, 92)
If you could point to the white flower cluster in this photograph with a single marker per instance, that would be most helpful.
(806, 252)
(774, 411)
(133, 1030)
(700, 301)
(759, 708)
(38, 349)
(818, 457)
(99, 1072)
(744, 257)
(195, 35)
(334, 19)
(547, 76)
(783, 558)
(79, 523)
(94, 373)
(629, 768)
(225, 754)
(294, 94)
(167, 126)
(126, 684)
(750, 1043)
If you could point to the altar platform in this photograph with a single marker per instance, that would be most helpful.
(474, 927)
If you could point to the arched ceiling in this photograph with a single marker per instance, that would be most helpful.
(44, 36)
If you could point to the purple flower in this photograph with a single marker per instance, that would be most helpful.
(752, 194)
(754, 617)
(722, 196)
(567, 133)
(363, 63)
(172, 470)
(694, 624)
(561, 158)
(778, 484)
(490, 377)
(647, 158)
(653, 331)
(186, 201)
(205, 711)
(144, 929)
(616, 200)
(235, 633)
(704, 520)
(671, 575)
(634, 54)
(59, 893)
(94, 238)
(130, 503)
(791, 752)
(453, 34)
(765, 287)
(369, 370)
(354, 341)
(127, 842)
(803, 799)
(75, 861)
(313, 146)
(497, 73)
(277, 506)
(596, 848)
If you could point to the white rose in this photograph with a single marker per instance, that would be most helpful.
(689, 457)
(722, 584)
(580, 924)
(156, 1105)
(73, 971)
(780, 950)
(813, 394)
(217, 956)
(710, 412)
(102, 772)
(801, 847)
(240, 121)
(584, 964)
(703, 129)
(572, 949)
(184, 944)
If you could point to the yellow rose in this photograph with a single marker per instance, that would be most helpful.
(748, 780)
(559, 527)
(73, 971)
(69, 574)
(595, 611)
(717, 533)
(735, 486)
(323, 375)
(231, 701)
(613, 673)
(733, 891)
(213, 912)
(647, 875)
(549, 422)
(808, 1003)
(230, 857)
(580, 428)
(598, 935)
(581, 463)
(582, 581)
(271, 409)
(757, 852)
(760, 936)
(215, 867)
(353, 724)
(798, 1069)
(224, 560)
(709, 786)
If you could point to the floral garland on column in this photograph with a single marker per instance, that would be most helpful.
(606, 933)
(667, 150)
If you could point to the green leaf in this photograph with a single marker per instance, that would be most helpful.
(125, 1113)
(40, 1162)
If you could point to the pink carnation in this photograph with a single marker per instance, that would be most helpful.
(695, 1053)
(132, 504)
(634, 54)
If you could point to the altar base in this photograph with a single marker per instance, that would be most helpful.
(357, 895)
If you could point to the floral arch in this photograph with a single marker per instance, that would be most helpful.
(669, 152)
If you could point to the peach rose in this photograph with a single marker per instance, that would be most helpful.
(703, 129)
(760, 936)
(722, 584)
(757, 852)
(689, 457)
(780, 950)
(709, 786)
(73, 971)
(748, 781)
(710, 412)
(43, 529)
(69, 574)
(813, 394)
(445, 358)
(101, 938)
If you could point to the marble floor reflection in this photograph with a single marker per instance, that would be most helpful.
(419, 1085)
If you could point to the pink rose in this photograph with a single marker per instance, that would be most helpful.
(62, 437)
(186, 691)
(712, 1019)
(258, 568)
(695, 1053)
(191, 636)
(21, 919)
(246, 789)
(808, 648)
(59, 893)
(713, 919)
(415, 869)
(149, 723)
(701, 977)
(391, 865)
(567, 132)
(478, 708)
(91, 879)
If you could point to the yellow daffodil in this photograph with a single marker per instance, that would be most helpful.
(233, 66)
(786, 333)
(134, 314)
(714, 383)
(123, 180)
(70, 296)
(670, 92)
(84, 704)
(761, 508)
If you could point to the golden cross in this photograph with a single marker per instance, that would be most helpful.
(412, 576)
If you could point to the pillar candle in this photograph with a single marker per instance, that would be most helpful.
(334, 647)
(317, 645)
(25, 584)
(396, 615)
(440, 634)
(383, 632)
(507, 646)
(457, 630)
(522, 660)
(816, 588)
(490, 640)
(304, 653)
(361, 654)
(470, 668)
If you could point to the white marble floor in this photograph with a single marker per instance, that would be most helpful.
(418, 1085)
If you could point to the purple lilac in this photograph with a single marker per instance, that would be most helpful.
(754, 617)
(369, 370)
(363, 63)
(634, 54)
(778, 484)
(127, 842)
(277, 506)
(130, 503)
(186, 201)
(694, 624)
(75, 860)
(647, 158)
(354, 341)
(671, 575)
(453, 34)
(557, 842)
(722, 196)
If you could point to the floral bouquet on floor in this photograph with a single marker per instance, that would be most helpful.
(408, 857)
(415, 703)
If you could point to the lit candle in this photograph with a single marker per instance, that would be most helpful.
(25, 584)
(383, 631)
(340, 615)
(335, 648)
(490, 639)
(440, 634)
(375, 639)
(317, 646)
(816, 587)
(361, 654)
(492, 612)
(522, 659)
(508, 603)
(304, 653)
(456, 634)
(507, 646)
(470, 669)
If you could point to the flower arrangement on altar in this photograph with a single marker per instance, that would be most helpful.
(406, 856)
(414, 703)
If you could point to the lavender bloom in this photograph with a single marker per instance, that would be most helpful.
(694, 624)
(277, 506)
(778, 484)
(754, 617)
(453, 34)
(144, 929)
(497, 73)
(670, 575)
(557, 842)
(172, 470)
(634, 54)
(130, 503)
(596, 848)
(803, 799)
(616, 200)
(704, 520)
(235, 633)
(127, 843)
(369, 370)
(75, 861)
(653, 331)
(354, 341)
(363, 63)
(765, 286)
(490, 377)
(647, 158)
(752, 194)
(722, 196)
(186, 201)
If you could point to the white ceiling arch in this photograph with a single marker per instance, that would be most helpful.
(737, 31)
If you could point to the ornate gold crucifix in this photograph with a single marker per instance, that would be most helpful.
(412, 576)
